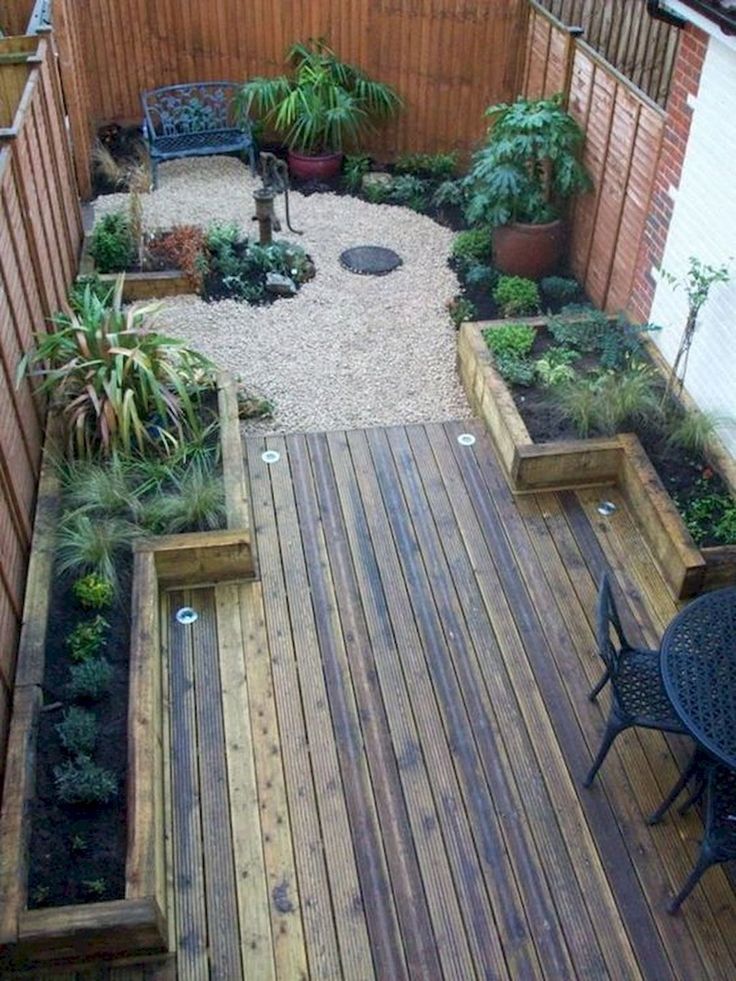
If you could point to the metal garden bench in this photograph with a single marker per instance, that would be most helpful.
(195, 119)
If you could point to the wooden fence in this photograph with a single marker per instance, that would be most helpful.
(640, 47)
(40, 238)
(448, 60)
(623, 134)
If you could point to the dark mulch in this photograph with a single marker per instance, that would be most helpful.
(59, 870)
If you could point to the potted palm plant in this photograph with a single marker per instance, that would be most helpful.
(324, 104)
(520, 181)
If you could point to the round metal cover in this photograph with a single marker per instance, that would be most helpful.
(370, 260)
(466, 439)
(271, 456)
(186, 615)
(606, 508)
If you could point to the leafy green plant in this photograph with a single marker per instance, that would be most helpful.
(609, 400)
(93, 591)
(40, 895)
(472, 245)
(112, 244)
(581, 328)
(78, 844)
(98, 488)
(197, 503)
(529, 165)
(560, 289)
(354, 169)
(86, 543)
(325, 104)
(482, 276)
(513, 339)
(120, 384)
(95, 887)
(514, 369)
(697, 282)
(377, 193)
(88, 638)
(90, 679)
(693, 430)
(556, 366)
(93, 284)
(435, 166)
(81, 781)
(411, 191)
(451, 192)
(243, 265)
(516, 296)
(78, 731)
(461, 310)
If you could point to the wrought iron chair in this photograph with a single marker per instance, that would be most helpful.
(638, 697)
(719, 836)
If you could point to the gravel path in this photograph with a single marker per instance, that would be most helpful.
(348, 351)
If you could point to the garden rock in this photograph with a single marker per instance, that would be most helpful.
(377, 179)
(280, 285)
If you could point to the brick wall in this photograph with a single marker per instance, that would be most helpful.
(685, 83)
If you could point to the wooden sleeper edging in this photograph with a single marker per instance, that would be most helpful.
(610, 461)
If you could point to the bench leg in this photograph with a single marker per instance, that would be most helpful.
(252, 158)
(154, 173)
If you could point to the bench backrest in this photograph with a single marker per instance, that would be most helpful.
(197, 107)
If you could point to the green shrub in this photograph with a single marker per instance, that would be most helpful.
(93, 592)
(377, 193)
(78, 731)
(516, 296)
(481, 276)
(92, 544)
(436, 166)
(448, 192)
(461, 310)
(472, 245)
(196, 503)
(111, 243)
(513, 339)
(621, 344)
(410, 191)
(693, 430)
(90, 679)
(355, 167)
(81, 781)
(514, 369)
(555, 367)
(560, 289)
(95, 887)
(579, 327)
(86, 286)
(88, 638)
(608, 401)
(98, 488)
(577, 401)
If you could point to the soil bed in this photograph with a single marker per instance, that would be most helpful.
(77, 853)
(687, 475)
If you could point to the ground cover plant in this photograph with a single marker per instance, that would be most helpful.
(582, 375)
(115, 487)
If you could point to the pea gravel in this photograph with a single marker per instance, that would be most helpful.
(348, 351)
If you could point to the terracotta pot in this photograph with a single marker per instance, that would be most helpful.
(310, 167)
(529, 250)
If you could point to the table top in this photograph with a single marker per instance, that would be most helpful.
(698, 659)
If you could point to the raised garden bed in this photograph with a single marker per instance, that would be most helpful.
(616, 460)
(136, 921)
(138, 285)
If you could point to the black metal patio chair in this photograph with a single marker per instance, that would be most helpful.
(638, 697)
(719, 835)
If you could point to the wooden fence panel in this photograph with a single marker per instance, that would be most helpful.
(448, 60)
(40, 239)
(14, 15)
(623, 133)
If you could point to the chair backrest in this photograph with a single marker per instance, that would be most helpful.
(609, 620)
(197, 107)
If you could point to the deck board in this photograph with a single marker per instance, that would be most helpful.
(376, 750)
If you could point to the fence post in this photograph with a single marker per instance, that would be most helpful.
(573, 33)
(73, 77)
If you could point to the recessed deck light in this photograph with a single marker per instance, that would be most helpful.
(466, 439)
(270, 456)
(606, 508)
(186, 615)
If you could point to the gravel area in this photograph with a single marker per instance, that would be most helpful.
(348, 351)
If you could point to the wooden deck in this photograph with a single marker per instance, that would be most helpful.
(377, 747)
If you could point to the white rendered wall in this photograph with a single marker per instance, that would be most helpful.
(704, 225)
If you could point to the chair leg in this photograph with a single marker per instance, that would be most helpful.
(690, 770)
(694, 797)
(703, 863)
(599, 687)
(613, 728)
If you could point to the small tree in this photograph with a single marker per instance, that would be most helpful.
(697, 283)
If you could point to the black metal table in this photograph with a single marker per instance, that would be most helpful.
(698, 661)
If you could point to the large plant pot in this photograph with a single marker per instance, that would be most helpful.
(310, 168)
(529, 250)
